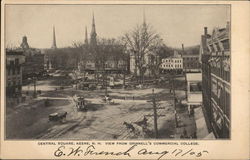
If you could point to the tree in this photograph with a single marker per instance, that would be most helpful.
(140, 41)
(83, 52)
(108, 50)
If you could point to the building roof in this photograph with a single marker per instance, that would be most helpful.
(194, 77)
(190, 55)
(14, 52)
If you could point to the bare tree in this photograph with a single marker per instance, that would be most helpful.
(83, 54)
(140, 41)
(108, 50)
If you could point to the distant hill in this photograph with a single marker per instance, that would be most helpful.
(192, 50)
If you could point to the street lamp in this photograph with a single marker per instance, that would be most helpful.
(29, 80)
(34, 80)
(124, 75)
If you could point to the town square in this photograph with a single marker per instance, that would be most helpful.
(117, 72)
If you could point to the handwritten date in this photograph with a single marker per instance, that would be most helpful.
(91, 150)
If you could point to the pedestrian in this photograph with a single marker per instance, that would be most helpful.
(133, 98)
(189, 110)
(194, 135)
(185, 133)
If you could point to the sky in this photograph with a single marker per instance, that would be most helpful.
(176, 24)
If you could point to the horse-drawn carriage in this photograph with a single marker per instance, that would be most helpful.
(58, 116)
(81, 104)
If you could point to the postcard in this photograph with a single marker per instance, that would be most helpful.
(125, 79)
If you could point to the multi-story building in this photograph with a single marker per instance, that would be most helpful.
(215, 57)
(34, 60)
(14, 62)
(191, 63)
(173, 63)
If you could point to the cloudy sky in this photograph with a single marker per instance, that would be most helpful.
(176, 24)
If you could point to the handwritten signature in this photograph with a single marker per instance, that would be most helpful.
(91, 150)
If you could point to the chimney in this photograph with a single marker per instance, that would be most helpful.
(205, 31)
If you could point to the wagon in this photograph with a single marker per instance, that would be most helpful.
(57, 116)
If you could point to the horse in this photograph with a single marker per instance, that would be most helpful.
(143, 122)
(129, 126)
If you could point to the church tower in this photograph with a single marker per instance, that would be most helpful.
(86, 37)
(54, 39)
(24, 44)
(93, 34)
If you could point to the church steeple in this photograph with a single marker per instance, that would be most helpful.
(54, 39)
(86, 36)
(144, 18)
(93, 33)
(144, 24)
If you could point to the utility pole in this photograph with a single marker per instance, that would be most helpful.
(34, 79)
(124, 76)
(175, 111)
(155, 115)
(184, 68)
(106, 88)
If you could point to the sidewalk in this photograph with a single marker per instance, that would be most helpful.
(194, 124)
(184, 122)
(202, 130)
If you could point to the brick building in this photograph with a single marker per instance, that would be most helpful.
(215, 58)
(34, 60)
(191, 63)
(14, 62)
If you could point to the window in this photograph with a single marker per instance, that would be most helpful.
(226, 45)
(218, 47)
(16, 61)
(11, 63)
(214, 86)
(195, 87)
(212, 48)
(8, 71)
(18, 70)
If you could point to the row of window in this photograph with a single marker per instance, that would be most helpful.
(191, 65)
(13, 62)
(190, 58)
(13, 71)
(225, 46)
(171, 65)
(220, 72)
(221, 96)
(14, 83)
(171, 60)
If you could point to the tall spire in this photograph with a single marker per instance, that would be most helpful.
(144, 23)
(86, 36)
(54, 39)
(93, 32)
(144, 18)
